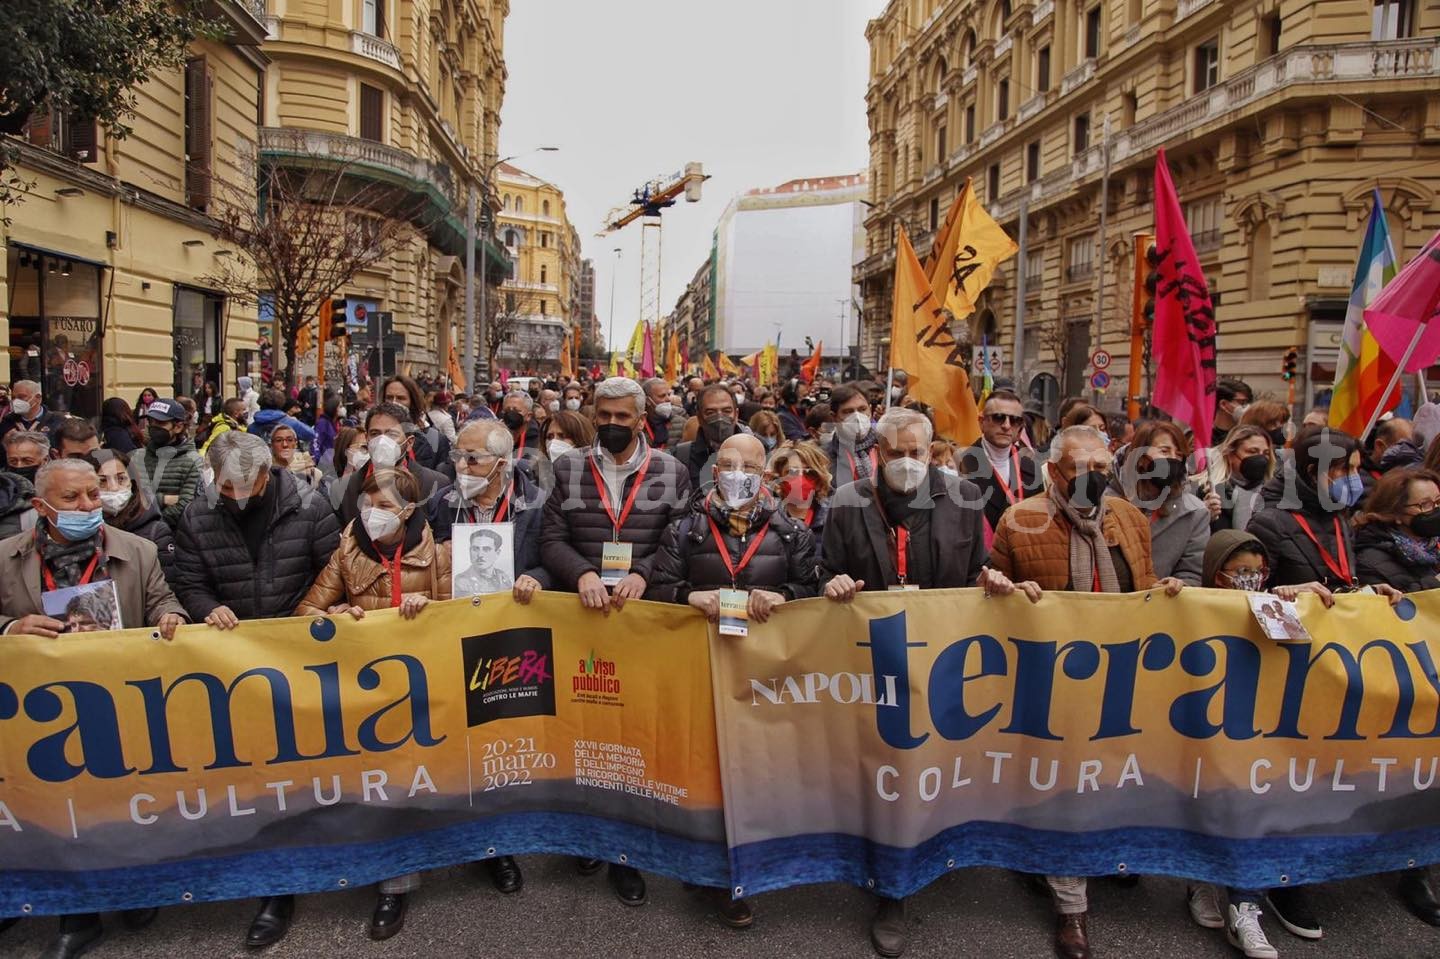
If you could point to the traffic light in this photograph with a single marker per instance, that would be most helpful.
(1287, 369)
(1147, 279)
(337, 329)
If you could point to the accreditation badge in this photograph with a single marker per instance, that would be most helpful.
(734, 612)
(615, 562)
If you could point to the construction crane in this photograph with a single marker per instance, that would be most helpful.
(649, 200)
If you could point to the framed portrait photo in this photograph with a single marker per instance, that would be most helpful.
(482, 558)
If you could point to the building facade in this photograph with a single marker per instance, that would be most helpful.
(540, 302)
(1278, 117)
(104, 285)
(693, 318)
(405, 93)
(585, 318)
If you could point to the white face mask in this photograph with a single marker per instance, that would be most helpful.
(853, 427)
(20, 407)
(950, 471)
(572, 405)
(664, 410)
(895, 393)
(385, 452)
(905, 474)
(113, 501)
(471, 486)
(739, 399)
(553, 406)
(357, 459)
(826, 435)
(379, 523)
(558, 448)
(737, 487)
(340, 412)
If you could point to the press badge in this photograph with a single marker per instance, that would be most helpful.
(734, 612)
(615, 562)
(903, 588)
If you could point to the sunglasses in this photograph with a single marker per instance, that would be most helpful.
(1000, 419)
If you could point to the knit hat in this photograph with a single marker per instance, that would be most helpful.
(1224, 545)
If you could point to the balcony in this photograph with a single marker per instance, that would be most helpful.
(1207, 241)
(968, 77)
(1131, 37)
(373, 48)
(1185, 8)
(1078, 76)
(1003, 47)
(1043, 9)
(941, 99)
(1032, 106)
(960, 155)
(993, 132)
(931, 175)
(244, 20)
(1079, 272)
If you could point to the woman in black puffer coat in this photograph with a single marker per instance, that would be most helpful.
(1300, 523)
(1398, 534)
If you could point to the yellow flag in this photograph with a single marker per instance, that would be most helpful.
(970, 247)
(672, 360)
(727, 365)
(707, 368)
(769, 364)
(922, 345)
(302, 339)
(614, 364)
(636, 350)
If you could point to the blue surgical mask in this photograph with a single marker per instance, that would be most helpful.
(77, 524)
(1346, 490)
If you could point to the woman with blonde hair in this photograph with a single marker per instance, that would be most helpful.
(1243, 464)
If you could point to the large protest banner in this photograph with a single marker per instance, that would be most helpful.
(885, 742)
(309, 755)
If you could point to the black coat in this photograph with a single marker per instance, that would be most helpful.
(1294, 558)
(118, 437)
(689, 558)
(576, 526)
(857, 541)
(1380, 562)
(345, 496)
(866, 460)
(792, 423)
(527, 512)
(974, 464)
(698, 456)
(149, 525)
(213, 566)
(48, 422)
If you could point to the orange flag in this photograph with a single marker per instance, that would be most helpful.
(973, 246)
(708, 371)
(810, 367)
(922, 345)
(727, 365)
(672, 360)
(567, 368)
(452, 367)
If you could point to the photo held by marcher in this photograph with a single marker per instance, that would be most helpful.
(1015, 532)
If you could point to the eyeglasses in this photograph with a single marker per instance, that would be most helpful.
(1424, 506)
(468, 458)
(1262, 571)
(396, 435)
(1000, 419)
(283, 441)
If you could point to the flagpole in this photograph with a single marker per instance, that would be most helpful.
(1394, 381)
(1104, 223)
(1017, 356)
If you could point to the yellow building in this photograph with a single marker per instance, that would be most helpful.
(1279, 117)
(541, 300)
(408, 93)
(103, 285)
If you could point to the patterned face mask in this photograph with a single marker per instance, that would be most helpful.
(1251, 581)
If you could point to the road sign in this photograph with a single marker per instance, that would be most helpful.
(987, 356)
(1099, 380)
(1100, 360)
(378, 324)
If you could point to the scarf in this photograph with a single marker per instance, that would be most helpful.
(1415, 552)
(1089, 553)
(67, 561)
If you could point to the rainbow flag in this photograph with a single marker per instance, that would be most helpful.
(1363, 369)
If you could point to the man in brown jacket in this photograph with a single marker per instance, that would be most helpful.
(1075, 538)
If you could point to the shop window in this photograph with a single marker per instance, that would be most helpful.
(197, 318)
(55, 333)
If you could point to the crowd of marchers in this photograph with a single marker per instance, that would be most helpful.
(216, 511)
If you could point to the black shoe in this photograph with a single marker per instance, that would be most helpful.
(888, 930)
(137, 919)
(735, 913)
(271, 922)
(7, 923)
(1290, 905)
(77, 934)
(505, 874)
(588, 867)
(1125, 880)
(389, 916)
(1419, 898)
(628, 884)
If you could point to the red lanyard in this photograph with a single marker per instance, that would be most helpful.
(730, 566)
(521, 448)
(501, 508)
(1015, 475)
(854, 468)
(649, 432)
(629, 501)
(395, 573)
(1096, 588)
(84, 579)
(1341, 569)
(899, 539)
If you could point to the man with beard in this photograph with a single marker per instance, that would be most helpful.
(716, 412)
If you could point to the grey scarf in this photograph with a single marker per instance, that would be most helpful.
(1089, 553)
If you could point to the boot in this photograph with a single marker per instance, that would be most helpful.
(1071, 939)
(77, 934)
(628, 884)
(505, 874)
(389, 916)
(271, 922)
(888, 930)
(1419, 897)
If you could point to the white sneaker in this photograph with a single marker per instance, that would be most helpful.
(1244, 932)
(1204, 906)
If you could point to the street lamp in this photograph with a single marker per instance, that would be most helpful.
(610, 340)
(475, 333)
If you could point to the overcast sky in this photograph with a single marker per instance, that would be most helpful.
(759, 91)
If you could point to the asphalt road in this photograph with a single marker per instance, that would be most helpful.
(981, 912)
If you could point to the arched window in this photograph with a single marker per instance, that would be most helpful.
(505, 204)
(941, 68)
(1260, 261)
(519, 204)
(545, 207)
(967, 49)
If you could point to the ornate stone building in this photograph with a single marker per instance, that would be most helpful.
(541, 300)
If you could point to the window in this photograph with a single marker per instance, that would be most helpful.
(1207, 65)
(1002, 99)
(1129, 103)
(1082, 133)
(196, 336)
(511, 239)
(1005, 10)
(372, 17)
(372, 113)
(55, 328)
(941, 147)
(544, 273)
(542, 307)
(1042, 69)
(1202, 217)
(1144, 184)
(545, 207)
(935, 214)
(1260, 262)
(1032, 161)
(519, 204)
(1034, 269)
(1092, 32)
(992, 183)
(545, 239)
(1392, 20)
(1080, 258)
(1268, 43)
(970, 124)
(505, 204)
(199, 84)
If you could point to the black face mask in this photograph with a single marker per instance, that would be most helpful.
(1254, 468)
(614, 438)
(1087, 487)
(159, 436)
(238, 509)
(1166, 472)
(1427, 524)
(513, 419)
(26, 471)
(719, 430)
(1277, 438)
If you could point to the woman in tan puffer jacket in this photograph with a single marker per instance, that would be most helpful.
(391, 538)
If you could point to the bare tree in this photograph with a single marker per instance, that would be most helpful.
(317, 226)
(508, 311)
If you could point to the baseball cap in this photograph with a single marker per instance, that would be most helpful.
(166, 410)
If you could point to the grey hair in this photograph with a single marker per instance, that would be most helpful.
(1069, 434)
(529, 400)
(618, 387)
(653, 381)
(34, 387)
(15, 437)
(67, 464)
(898, 418)
(238, 457)
(493, 435)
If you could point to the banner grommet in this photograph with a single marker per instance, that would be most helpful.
(187, 896)
(1284, 879)
(342, 882)
(1122, 868)
(739, 891)
(624, 859)
(27, 909)
(489, 850)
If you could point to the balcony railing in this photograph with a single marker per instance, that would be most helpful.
(1206, 241)
(968, 77)
(941, 99)
(932, 174)
(1185, 8)
(319, 145)
(256, 9)
(374, 48)
(1131, 36)
(1079, 75)
(1079, 272)
(993, 132)
(1003, 47)
(1043, 9)
(1031, 107)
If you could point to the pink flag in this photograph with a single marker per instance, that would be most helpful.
(1184, 332)
(647, 359)
(504, 377)
(1406, 308)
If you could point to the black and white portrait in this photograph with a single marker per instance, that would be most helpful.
(482, 558)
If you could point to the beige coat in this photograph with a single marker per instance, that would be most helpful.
(354, 578)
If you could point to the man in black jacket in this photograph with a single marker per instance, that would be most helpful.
(852, 448)
(28, 413)
(250, 548)
(391, 439)
(911, 527)
(718, 422)
(994, 463)
(603, 523)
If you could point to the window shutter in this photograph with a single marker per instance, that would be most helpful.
(82, 139)
(198, 90)
(380, 19)
(372, 105)
(41, 128)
